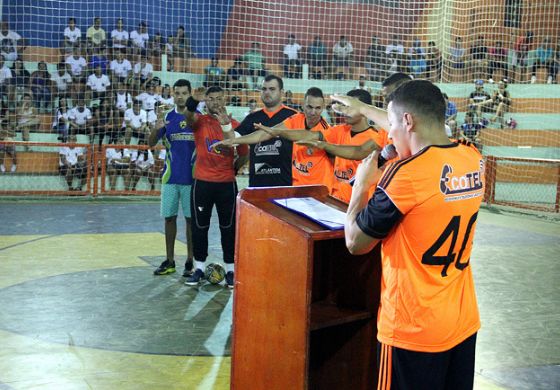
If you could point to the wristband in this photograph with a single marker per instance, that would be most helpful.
(192, 104)
(226, 128)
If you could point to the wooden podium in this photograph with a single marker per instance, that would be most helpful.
(304, 308)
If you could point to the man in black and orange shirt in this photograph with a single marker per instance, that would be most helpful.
(270, 159)
(214, 181)
(424, 213)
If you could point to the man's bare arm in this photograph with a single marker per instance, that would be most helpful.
(350, 152)
(351, 106)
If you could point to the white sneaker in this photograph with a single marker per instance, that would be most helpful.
(2, 168)
(549, 80)
(490, 80)
(13, 169)
(533, 79)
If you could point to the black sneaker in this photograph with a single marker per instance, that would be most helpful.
(167, 267)
(196, 278)
(188, 268)
(229, 279)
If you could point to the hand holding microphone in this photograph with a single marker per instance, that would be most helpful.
(389, 152)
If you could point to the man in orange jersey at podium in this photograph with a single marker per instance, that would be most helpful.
(424, 213)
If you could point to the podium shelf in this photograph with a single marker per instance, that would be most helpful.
(327, 314)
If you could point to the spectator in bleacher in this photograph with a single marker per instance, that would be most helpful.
(343, 59)
(142, 165)
(143, 72)
(61, 122)
(72, 164)
(135, 122)
(122, 100)
(375, 60)
(120, 67)
(457, 54)
(362, 84)
(156, 46)
(7, 134)
(236, 76)
(80, 119)
(5, 81)
(78, 67)
(417, 64)
(470, 129)
(256, 65)
(95, 35)
(252, 107)
(289, 101)
(61, 81)
(41, 88)
(149, 98)
(478, 62)
(27, 117)
(119, 37)
(433, 62)
(555, 64)
(450, 116)
(395, 55)
(292, 58)
(166, 97)
(97, 84)
(11, 43)
(522, 46)
(99, 57)
(213, 74)
(501, 101)
(20, 81)
(480, 100)
(168, 50)
(118, 164)
(417, 47)
(497, 59)
(182, 49)
(317, 58)
(72, 37)
(139, 39)
(103, 122)
(544, 59)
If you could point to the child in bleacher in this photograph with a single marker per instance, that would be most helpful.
(41, 85)
(27, 117)
(118, 164)
(61, 121)
(7, 134)
(72, 164)
(470, 129)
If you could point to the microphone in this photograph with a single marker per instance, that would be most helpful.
(389, 152)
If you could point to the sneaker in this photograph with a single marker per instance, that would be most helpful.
(229, 279)
(2, 168)
(13, 168)
(196, 278)
(188, 268)
(533, 79)
(167, 267)
(549, 80)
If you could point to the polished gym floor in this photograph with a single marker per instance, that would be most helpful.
(81, 309)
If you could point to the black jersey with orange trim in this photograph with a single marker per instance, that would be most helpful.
(425, 209)
(270, 161)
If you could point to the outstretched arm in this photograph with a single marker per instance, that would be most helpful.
(351, 106)
(350, 152)
(291, 135)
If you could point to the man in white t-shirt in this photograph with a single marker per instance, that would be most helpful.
(72, 37)
(122, 100)
(343, 53)
(292, 61)
(120, 67)
(139, 39)
(72, 164)
(5, 75)
(135, 122)
(81, 120)
(143, 72)
(118, 163)
(97, 84)
(149, 98)
(119, 36)
(62, 80)
(11, 43)
(77, 65)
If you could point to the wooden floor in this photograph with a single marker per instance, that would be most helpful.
(81, 308)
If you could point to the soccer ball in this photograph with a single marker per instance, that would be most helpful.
(215, 273)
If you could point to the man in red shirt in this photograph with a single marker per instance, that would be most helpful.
(214, 181)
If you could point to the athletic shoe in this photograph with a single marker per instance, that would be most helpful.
(167, 267)
(533, 79)
(229, 279)
(2, 168)
(13, 168)
(188, 268)
(549, 80)
(196, 278)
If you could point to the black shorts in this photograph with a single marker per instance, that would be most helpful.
(410, 370)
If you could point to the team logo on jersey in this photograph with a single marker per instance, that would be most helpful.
(209, 142)
(302, 168)
(265, 169)
(468, 185)
(344, 175)
(268, 149)
(309, 151)
(183, 124)
(182, 137)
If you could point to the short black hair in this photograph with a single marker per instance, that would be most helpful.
(214, 89)
(395, 78)
(182, 83)
(362, 95)
(314, 92)
(271, 77)
(420, 97)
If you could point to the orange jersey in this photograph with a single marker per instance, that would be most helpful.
(428, 300)
(309, 165)
(344, 170)
(211, 165)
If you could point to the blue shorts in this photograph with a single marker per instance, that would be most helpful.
(171, 195)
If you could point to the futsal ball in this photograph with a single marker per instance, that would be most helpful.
(215, 273)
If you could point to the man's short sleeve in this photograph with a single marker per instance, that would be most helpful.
(246, 126)
(379, 216)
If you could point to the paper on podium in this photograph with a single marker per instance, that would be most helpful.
(315, 210)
